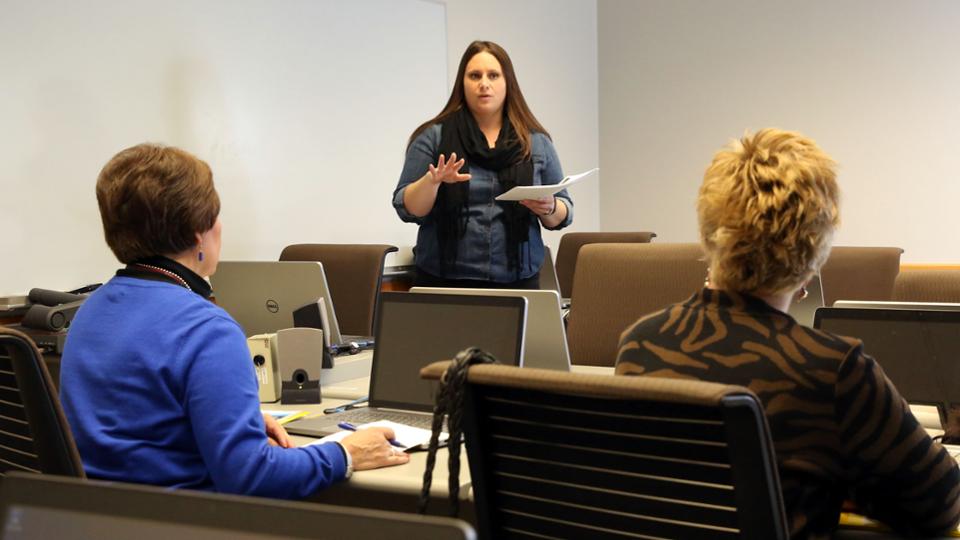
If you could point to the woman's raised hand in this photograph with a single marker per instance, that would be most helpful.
(447, 171)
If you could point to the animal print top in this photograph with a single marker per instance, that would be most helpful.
(839, 427)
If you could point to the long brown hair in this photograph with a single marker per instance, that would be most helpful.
(523, 121)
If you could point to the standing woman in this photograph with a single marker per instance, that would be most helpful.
(484, 142)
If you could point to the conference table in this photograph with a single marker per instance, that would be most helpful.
(398, 488)
(389, 488)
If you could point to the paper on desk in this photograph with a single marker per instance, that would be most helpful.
(929, 418)
(408, 437)
(520, 193)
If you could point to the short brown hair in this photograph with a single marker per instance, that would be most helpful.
(768, 207)
(154, 200)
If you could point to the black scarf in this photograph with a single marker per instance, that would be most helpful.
(147, 268)
(461, 134)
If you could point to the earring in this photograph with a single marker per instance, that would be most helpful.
(200, 256)
(803, 293)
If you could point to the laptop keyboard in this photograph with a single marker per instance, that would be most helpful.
(364, 416)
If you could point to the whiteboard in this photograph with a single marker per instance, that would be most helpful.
(302, 108)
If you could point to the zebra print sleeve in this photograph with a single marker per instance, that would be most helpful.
(898, 475)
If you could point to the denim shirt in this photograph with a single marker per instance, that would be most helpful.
(481, 254)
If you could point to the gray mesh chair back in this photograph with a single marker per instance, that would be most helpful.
(41, 506)
(569, 250)
(354, 274)
(34, 435)
(616, 284)
(571, 455)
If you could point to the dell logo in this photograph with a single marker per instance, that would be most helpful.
(273, 306)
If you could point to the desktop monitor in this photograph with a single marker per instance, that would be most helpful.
(45, 506)
(262, 295)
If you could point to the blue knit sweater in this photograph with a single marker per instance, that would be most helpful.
(158, 388)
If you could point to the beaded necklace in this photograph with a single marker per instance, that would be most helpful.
(169, 274)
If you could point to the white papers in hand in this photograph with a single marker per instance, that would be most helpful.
(520, 193)
(407, 437)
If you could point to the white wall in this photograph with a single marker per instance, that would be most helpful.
(302, 109)
(874, 82)
(303, 112)
(553, 45)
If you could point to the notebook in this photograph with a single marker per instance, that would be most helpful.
(917, 349)
(545, 342)
(803, 311)
(414, 330)
(262, 295)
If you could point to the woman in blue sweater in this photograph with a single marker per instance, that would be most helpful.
(156, 380)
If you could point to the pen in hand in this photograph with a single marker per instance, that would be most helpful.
(350, 427)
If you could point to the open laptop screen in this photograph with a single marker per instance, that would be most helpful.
(919, 350)
(545, 341)
(414, 330)
(262, 295)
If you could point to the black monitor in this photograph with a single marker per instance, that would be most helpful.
(919, 350)
(43, 506)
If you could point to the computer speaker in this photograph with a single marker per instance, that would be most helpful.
(300, 356)
(314, 315)
(263, 351)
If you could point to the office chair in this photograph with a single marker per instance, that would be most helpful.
(569, 249)
(616, 284)
(38, 506)
(354, 275)
(927, 285)
(860, 273)
(571, 455)
(34, 435)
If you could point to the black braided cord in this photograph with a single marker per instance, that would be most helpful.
(449, 402)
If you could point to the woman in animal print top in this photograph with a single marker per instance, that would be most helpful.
(767, 209)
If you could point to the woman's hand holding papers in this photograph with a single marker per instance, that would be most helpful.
(370, 448)
(550, 209)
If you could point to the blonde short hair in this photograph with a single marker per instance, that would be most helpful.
(768, 206)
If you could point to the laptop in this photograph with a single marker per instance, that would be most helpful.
(917, 349)
(262, 295)
(803, 311)
(45, 506)
(548, 272)
(414, 330)
(871, 304)
(545, 343)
